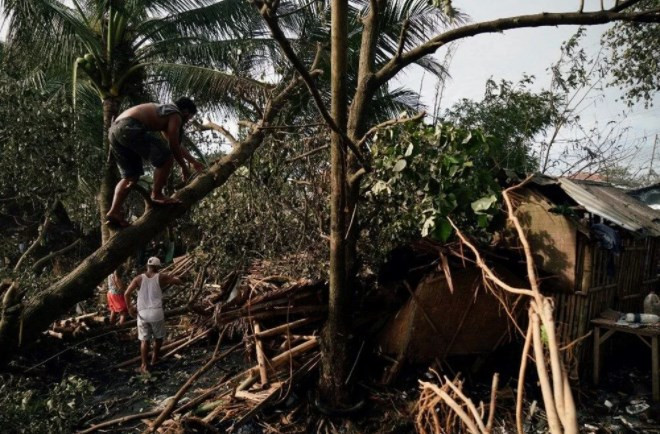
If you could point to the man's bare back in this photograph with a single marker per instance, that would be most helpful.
(147, 115)
(131, 144)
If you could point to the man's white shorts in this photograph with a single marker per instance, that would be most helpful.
(151, 330)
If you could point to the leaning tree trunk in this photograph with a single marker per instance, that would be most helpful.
(48, 305)
(110, 175)
(335, 338)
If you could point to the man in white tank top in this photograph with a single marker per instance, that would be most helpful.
(149, 312)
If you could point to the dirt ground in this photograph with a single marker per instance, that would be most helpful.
(68, 386)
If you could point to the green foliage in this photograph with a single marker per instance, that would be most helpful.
(269, 209)
(424, 174)
(27, 408)
(512, 116)
(634, 59)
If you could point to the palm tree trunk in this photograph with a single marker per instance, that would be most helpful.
(335, 356)
(110, 176)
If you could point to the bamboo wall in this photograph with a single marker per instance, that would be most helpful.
(596, 290)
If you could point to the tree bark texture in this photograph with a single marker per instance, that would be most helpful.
(357, 126)
(335, 338)
(110, 174)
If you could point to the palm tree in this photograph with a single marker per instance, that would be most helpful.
(139, 50)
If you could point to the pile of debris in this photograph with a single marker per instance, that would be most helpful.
(275, 319)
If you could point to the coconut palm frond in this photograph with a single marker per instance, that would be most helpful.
(433, 66)
(242, 54)
(209, 87)
(54, 33)
(421, 21)
(224, 19)
(389, 104)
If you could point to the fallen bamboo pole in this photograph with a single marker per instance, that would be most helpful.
(286, 356)
(282, 328)
(261, 357)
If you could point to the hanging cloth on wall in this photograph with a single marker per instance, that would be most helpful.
(608, 238)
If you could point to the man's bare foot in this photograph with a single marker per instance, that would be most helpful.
(164, 200)
(144, 369)
(116, 221)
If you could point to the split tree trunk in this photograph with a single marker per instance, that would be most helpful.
(110, 174)
(336, 332)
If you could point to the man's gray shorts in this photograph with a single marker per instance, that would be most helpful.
(151, 330)
(131, 142)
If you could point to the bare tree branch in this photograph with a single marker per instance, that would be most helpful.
(397, 63)
(268, 14)
(419, 116)
(41, 262)
(308, 153)
(40, 236)
(208, 125)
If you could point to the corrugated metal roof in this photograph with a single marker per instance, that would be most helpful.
(610, 203)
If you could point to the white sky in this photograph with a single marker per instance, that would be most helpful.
(510, 54)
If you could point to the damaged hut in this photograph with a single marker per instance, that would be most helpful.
(596, 246)
(448, 308)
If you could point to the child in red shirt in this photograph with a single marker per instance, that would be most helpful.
(116, 303)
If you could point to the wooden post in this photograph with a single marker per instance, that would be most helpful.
(596, 355)
(261, 358)
(654, 367)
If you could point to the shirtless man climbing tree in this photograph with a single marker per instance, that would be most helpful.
(131, 141)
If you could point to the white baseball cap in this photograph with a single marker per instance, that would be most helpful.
(154, 262)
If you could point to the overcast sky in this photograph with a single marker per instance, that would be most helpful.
(513, 53)
(510, 54)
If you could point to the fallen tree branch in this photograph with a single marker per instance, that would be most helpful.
(41, 262)
(79, 284)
